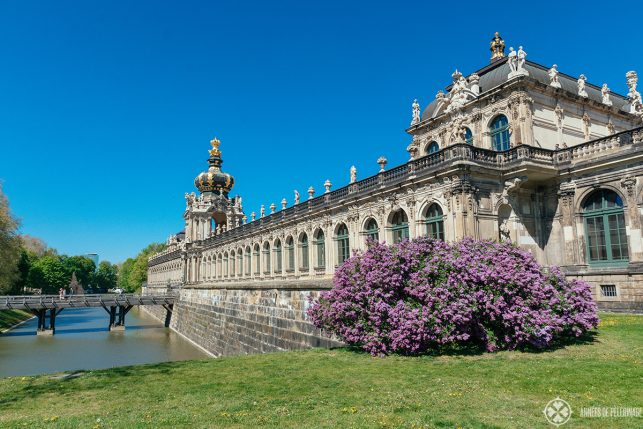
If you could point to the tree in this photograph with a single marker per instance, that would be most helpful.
(49, 274)
(106, 276)
(83, 266)
(133, 272)
(35, 245)
(9, 246)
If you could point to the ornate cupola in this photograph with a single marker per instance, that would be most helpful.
(213, 212)
(214, 181)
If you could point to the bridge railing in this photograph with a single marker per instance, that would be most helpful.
(86, 300)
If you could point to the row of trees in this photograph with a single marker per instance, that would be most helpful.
(27, 264)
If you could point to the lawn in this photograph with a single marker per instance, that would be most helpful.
(9, 318)
(343, 388)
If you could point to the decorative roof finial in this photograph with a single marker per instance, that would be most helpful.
(497, 47)
(215, 147)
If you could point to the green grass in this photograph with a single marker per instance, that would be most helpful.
(342, 388)
(9, 318)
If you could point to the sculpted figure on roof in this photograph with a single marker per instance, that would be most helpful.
(581, 86)
(497, 47)
(553, 76)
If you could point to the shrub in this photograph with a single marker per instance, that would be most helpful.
(427, 294)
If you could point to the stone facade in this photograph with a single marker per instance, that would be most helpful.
(515, 151)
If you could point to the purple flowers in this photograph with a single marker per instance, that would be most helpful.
(427, 294)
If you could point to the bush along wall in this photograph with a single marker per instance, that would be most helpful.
(428, 295)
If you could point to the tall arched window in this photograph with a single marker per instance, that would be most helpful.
(303, 255)
(499, 130)
(320, 249)
(343, 246)
(434, 221)
(233, 262)
(239, 262)
(277, 251)
(290, 254)
(372, 231)
(400, 226)
(256, 254)
(247, 256)
(433, 147)
(605, 228)
(468, 136)
(225, 264)
(220, 266)
(266, 258)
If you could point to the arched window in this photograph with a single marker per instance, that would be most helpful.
(468, 136)
(303, 254)
(247, 256)
(290, 254)
(278, 267)
(239, 262)
(499, 130)
(605, 228)
(372, 231)
(233, 262)
(225, 264)
(257, 257)
(400, 226)
(433, 147)
(266, 258)
(343, 247)
(320, 248)
(434, 221)
(220, 266)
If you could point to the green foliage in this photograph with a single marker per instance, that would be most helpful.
(133, 272)
(49, 274)
(343, 389)
(106, 277)
(82, 266)
(9, 247)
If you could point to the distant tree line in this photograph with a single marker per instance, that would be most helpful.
(27, 265)
(133, 272)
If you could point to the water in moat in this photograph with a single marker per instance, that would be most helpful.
(82, 341)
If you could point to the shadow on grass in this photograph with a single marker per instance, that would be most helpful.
(74, 382)
(477, 349)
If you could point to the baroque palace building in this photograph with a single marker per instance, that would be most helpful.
(513, 151)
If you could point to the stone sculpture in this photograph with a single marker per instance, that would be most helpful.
(353, 174)
(581, 86)
(553, 76)
(296, 197)
(605, 92)
(416, 112)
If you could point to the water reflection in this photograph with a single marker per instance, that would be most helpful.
(82, 341)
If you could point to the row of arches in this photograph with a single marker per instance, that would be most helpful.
(498, 132)
(319, 250)
(308, 253)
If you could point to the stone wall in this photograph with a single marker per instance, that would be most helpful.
(628, 288)
(246, 318)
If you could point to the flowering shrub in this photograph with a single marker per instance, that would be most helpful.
(428, 294)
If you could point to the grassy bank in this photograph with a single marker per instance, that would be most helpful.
(340, 388)
(9, 318)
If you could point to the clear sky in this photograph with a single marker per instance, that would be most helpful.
(107, 107)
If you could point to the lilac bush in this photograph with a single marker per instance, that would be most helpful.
(427, 294)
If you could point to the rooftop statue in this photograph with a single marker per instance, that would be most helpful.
(553, 76)
(634, 97)
(517, 63)
(605, 92)
(497, 47)
(581, 86)
(416, 112)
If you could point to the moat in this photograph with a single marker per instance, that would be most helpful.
(82, 341)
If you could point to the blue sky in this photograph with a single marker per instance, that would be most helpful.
(107, 107)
